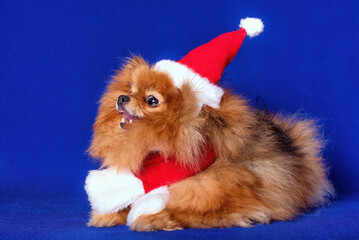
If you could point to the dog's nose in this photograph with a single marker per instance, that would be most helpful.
(123, 99)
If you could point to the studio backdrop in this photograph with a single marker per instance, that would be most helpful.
(56, 58)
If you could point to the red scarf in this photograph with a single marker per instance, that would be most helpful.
(158, 172)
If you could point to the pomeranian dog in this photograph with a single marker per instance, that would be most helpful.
(268, 166)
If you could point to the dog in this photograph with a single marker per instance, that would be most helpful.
(268, 166)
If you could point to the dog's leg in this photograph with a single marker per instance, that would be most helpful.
(108, 220)
(221, 196)
(169, 220)
(155, 222)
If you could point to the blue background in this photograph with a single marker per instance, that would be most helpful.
(57, 56)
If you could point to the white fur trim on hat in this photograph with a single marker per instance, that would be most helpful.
(151, 203)
(253, 26)
(110, 191)
(206, 92)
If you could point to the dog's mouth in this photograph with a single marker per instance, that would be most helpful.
(126, 118)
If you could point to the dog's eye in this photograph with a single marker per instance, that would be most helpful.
(152, 101)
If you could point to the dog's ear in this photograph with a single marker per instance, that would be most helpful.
(124, 75)
(190, 103)
(134, 62)
(188, 94)
(174, 96)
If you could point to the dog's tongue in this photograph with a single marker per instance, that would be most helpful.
(127, 116)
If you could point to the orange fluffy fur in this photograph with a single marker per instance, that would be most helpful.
(268, 167)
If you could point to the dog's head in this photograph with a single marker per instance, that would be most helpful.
(142, 110)
(144, 94)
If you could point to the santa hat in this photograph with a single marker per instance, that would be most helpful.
(203, 66)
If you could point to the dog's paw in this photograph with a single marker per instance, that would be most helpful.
(155, 222)
(150, 203)
(107, 220)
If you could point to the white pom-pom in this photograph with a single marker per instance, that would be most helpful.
(110, 191)
(253, 26)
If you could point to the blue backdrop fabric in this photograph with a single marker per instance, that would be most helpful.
(57, 56)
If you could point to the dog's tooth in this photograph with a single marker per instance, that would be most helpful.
(123, 120)
(130, 120)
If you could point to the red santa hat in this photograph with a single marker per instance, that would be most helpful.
(203, 66)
